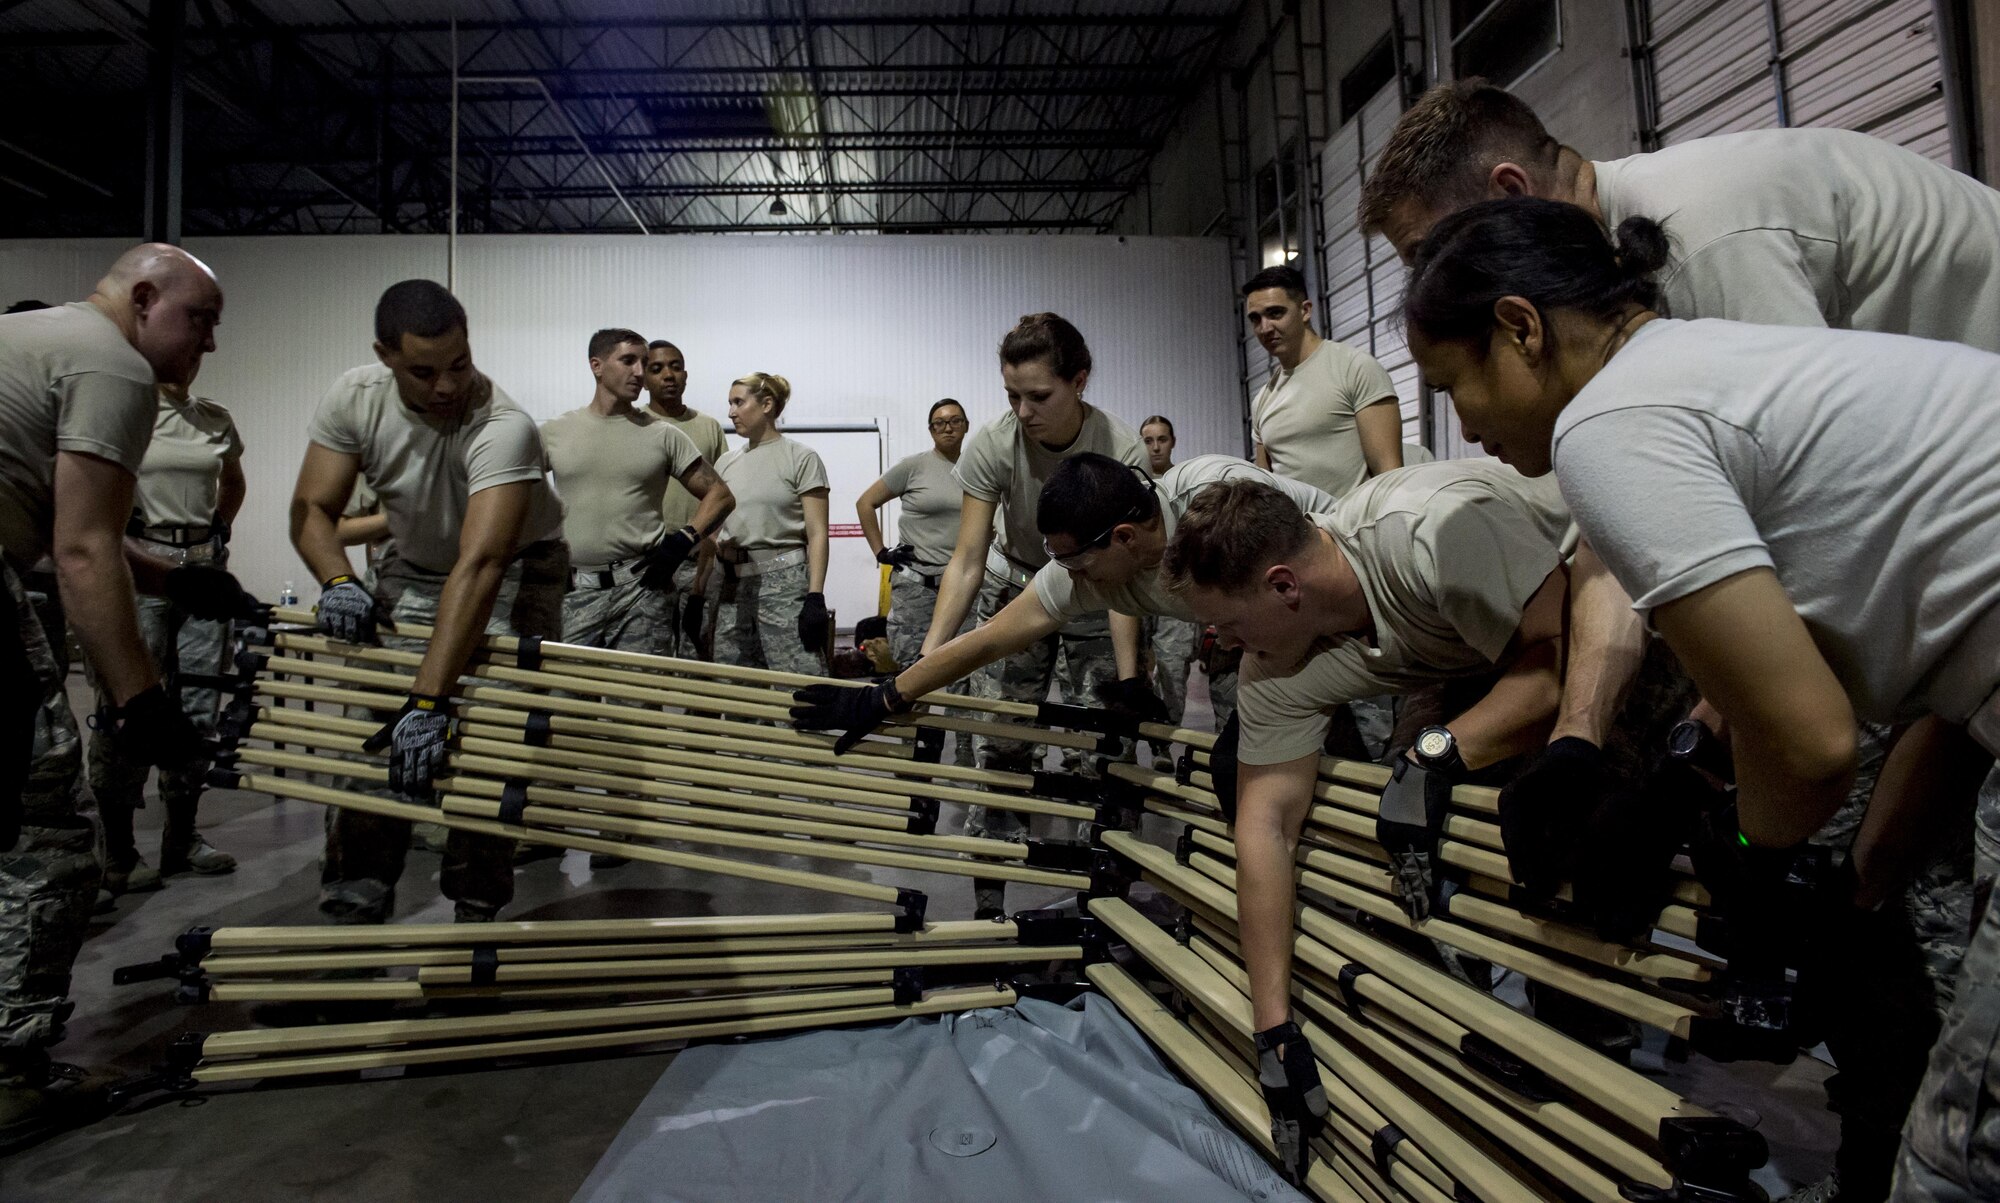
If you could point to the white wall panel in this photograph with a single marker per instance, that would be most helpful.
(864, 328)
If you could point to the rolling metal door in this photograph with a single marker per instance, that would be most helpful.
(1364, 279)
(1868, 65)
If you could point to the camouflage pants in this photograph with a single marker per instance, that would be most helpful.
(756, 620)
(179, 645)
(911, 604)
(626, 617)
(682, 643)
(1084, 648)
(49, 871)
(1950, 1149)
(365, 853)
(1173, 653)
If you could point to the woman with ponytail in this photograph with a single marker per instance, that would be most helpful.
(767, 608)
(1815, 547)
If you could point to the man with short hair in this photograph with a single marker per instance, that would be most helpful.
(1328, 415)
(460, 472)
(1173, 639)
(612, 464)
(77, 404)
(666, 386)
(1445, 573)
(1783, 227)
(1105, 529)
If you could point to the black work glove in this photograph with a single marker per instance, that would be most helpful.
(1412, 817)
(665, 558)
(693, 610)
(844, 708)
(902, 555)
(207, 592)
(418, 740)
(1544, 810)
(350, 613)
(815, 624)
(1764, 897)
(1222, 765)
(1134, 696)
(1624, 872)
(218, 541)
(152, 729)
(1290, 1079)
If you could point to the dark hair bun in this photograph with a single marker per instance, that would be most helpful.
(1642, 246)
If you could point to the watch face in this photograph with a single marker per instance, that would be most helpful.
(1434, 744)
(1685, 738)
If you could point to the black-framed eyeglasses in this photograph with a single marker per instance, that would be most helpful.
(1138, 513)
(947, 423)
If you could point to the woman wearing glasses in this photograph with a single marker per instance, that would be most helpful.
(926, 532)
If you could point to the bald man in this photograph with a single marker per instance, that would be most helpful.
(77, 405)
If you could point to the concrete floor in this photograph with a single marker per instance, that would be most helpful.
(530, 1132)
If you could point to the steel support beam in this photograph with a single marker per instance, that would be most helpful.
(166, 80)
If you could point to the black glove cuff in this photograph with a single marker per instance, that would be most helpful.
(893, 698)
(344, 578)
(1274, 1037)
(817, 597)
(1574, 747)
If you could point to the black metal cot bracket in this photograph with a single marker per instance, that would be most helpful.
(1184, 846)
(1504, 1068)
(513, 801)
(911, 905)
(1710, 1158)
(528, 653)
(908, 984)
(1112, 724)
(929, 745)
(923, 816)
(1184, 767)
(1108, 876)
(182, 964)
(538, 730)
(1042, 929)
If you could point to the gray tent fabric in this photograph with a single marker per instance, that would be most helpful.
(1032, 1102)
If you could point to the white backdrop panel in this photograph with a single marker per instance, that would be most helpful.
(862, 326)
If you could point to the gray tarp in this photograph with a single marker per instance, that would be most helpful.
(1028, 1103)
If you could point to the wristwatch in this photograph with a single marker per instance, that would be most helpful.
(1437, 750)
(1692, 743)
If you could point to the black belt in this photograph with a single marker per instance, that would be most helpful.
(171, 536)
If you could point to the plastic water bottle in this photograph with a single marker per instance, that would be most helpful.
(288, 596)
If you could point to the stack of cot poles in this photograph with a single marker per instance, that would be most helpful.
(602, 751)
(1664, 980)
(513, 990)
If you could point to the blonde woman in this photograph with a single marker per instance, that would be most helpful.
(767, 608)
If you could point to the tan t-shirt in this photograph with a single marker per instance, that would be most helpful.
(423, 470)
(678, 508)
(1067, 597)
(612, 472)
(1001, 464)
(1448, 555)
(1817, 227)
(1305, 418)
(931, 500)
(68, 382)
(770, 482)
(182, 471)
